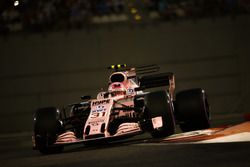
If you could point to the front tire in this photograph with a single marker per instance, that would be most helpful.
(159, 104)
(47, 126)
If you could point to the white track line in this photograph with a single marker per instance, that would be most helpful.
(239, 137)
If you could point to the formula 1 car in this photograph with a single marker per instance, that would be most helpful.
(124, 110)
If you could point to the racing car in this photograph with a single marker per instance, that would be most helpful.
(137, 100)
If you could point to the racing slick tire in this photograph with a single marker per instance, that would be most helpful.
(192, 110)
(47, 126)
(159, 104)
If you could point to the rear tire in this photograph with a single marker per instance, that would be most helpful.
(159, 104)
(47, 126)
(192, 110)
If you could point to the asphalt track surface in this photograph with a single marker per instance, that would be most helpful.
(137, 151)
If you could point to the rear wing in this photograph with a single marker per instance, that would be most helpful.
(155, 80)
(158, 80)
(148, 69)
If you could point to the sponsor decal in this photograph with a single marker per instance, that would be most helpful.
(157, 122)
(130, 91)
(99, 109)
(97, 121)
(94, 123)
(100, 102)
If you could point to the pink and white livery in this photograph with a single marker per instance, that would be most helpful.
(124, 110)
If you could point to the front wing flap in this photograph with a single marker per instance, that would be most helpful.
(74, 140)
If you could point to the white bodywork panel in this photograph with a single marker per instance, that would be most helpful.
(99, 115)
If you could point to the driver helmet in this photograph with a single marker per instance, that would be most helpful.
(117, 88)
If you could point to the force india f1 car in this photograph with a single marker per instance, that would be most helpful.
(124, 110)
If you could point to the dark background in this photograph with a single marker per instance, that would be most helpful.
(54, 62)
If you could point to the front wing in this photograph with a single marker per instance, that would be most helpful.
(72, 140)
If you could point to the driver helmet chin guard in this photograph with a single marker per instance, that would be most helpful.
(117, 88)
